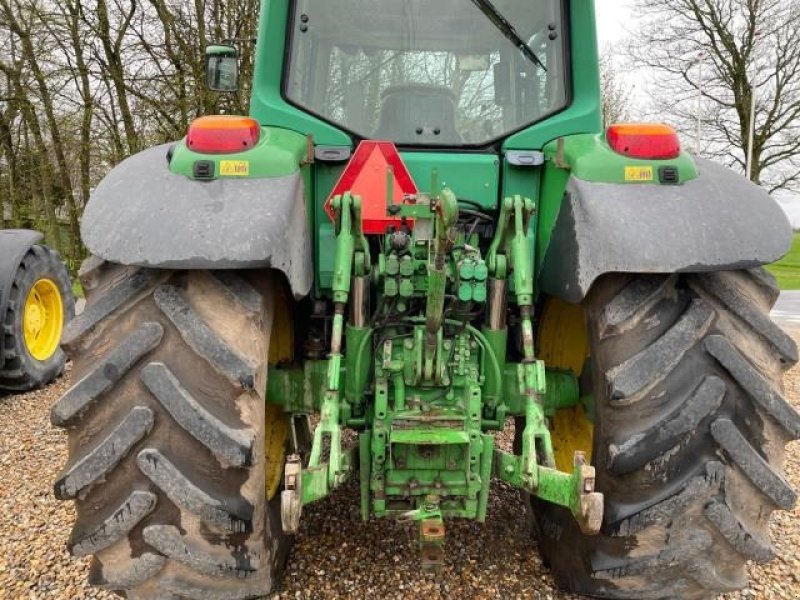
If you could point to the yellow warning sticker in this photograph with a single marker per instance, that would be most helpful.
(234, 168)
(638, 173)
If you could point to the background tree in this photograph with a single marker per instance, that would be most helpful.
(86, 83)
(617, 94)
(723, 51)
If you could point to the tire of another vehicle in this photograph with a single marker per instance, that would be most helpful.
(690, 429)
(20, 370)
(168, 425)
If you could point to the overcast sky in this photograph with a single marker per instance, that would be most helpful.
(612, 17)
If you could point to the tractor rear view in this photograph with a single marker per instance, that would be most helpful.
(425, 237)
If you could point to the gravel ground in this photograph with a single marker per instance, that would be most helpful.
(335, 556)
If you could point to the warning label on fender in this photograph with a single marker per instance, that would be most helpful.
(638, 173)
(234, 168)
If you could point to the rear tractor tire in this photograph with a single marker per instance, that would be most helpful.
(689, 434)
(175, 459)
(40, 304)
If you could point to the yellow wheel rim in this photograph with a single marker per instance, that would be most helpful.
(563, 339)
(43, 319)
(281, 349)
(564, 343)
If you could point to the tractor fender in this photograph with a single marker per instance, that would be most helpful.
(143, 214)
(718, 221)
(14, 244)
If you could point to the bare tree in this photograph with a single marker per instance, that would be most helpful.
(616, 93)
(722, 52)
(85, 83)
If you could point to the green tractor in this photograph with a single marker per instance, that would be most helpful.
(36, 302)
(423, 235)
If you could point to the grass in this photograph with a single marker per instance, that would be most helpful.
(77, 289)
(787, 270)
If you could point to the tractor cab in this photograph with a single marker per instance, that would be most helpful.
(471, 74)
(456, 73)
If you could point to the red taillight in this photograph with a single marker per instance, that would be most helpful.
(651, 141)
(223, 134)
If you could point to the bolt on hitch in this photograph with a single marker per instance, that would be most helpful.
(292, 494)
(588, 511)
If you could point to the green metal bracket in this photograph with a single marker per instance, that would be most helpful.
(352, 249)
(348, 217)
(357, 361)
(574, 491)
(534, 470)
(511, 247)
(317, 479)
(429, 509)
(345, 247)
(446, 209)
(296, 389)
(536, 436)
(561, 391)
(337, 466)
(494, 259)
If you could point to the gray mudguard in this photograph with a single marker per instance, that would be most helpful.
(14, 244)
(719, 221)
(143, 214)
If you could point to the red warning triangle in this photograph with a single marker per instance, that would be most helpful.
(366, 176)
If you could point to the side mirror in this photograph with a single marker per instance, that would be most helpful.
(222, 68)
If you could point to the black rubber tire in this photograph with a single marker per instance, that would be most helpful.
(166, 422)
(690, 429)
(20, 371)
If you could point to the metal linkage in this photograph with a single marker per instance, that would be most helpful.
(436, 382)
(534, 470)
(511, 249)
(323, 475)
(431, 543)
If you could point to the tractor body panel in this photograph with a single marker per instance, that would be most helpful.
(644, 228)
(14, 244)
(143, 214)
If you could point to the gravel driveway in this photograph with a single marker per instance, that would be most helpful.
(335, 556)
